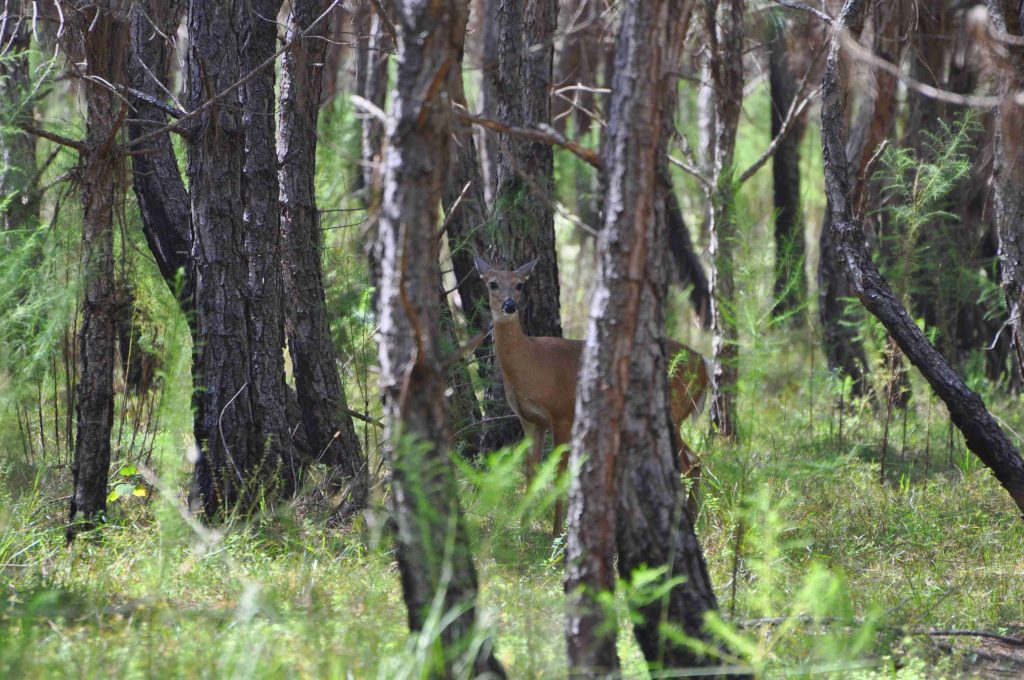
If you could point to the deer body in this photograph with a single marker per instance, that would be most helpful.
(540, 376)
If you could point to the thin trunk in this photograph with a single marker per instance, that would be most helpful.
(435, 563)
(523, 226)
(17, 149)
(724, 31)
(463, 196)
(622, 434)
(1008, 177)
(372, 84)
(967, 410)
(103, 36)
(790, 280)
(160, 192)
(329, 429)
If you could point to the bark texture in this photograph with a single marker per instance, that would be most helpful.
(966, 408)
(523, 226)
(372, 84)
(246, 453)
(627, 495)
(159, 189)
(790, 280)
(329, 429)
(434, 559)
(467, 221)
(17, 149)
(723, 25)
(1008, 175)
(101, 37)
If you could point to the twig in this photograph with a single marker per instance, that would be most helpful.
(78, 146)
(389, 25)
(804, 8)
(869, 169)
(365, 418)
(451, 211)
(457, 356)
(544, 133)
(157, 103)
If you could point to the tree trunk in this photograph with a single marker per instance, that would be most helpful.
(622, 439)
(724, 31)
(372, 85)
(161, 194)
(240, 423)
(102, 37)
(790, 280)
(967, 410)
(329, 430)
(434, 559)
(498, 426)
(523, 227)
(1008, 177)
(17, 149)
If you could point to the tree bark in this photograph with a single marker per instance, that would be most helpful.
(100, 36)
(723, 23)
(463, 196)
(1008, 177)
(328, 426)
(246, 454)
(160, 192)
(627, 494)
(434, 559)
(372, 85)
(17, 149)
(523, 226)
(966, 408)
(790, 280)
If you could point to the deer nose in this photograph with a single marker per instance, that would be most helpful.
(509, 306)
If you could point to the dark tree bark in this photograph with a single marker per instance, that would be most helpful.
(100, 36)
(1008, 175)
(723, 25)
(329, 429)
(967, 410)
(463, 197)
(790, 280)
(523, 227)
(627, 494)
(17, 149)
(844, 351)
(688, 267)
(161, 194)
(433, 552)
(241, 429)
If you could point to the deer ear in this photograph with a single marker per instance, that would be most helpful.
(481, 265)
(527, 269)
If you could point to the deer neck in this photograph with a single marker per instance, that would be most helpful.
(512, 347)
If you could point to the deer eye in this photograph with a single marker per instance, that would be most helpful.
(493, 285)
(519, 286)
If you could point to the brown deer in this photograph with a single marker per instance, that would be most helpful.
(540, 376)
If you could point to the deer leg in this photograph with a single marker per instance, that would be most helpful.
(533, 458)
(562, 435)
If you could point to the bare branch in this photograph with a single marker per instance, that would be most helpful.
(544, 133)
(790, 4)
(78, 146)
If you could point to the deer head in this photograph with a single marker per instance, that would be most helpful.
(504, 288)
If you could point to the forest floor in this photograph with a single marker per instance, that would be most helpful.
(819, 566)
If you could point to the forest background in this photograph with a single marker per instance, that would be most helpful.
(154, 150)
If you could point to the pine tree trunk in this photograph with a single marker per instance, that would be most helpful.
(790, 280)
(329, 429)
(103, 38)
(723, 24)
(246, 452)
(523, 227)
(1008, 176)
(160, 192)
(627, 494)
(433, 552)
(466, 226)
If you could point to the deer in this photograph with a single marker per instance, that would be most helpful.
(540, 375)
